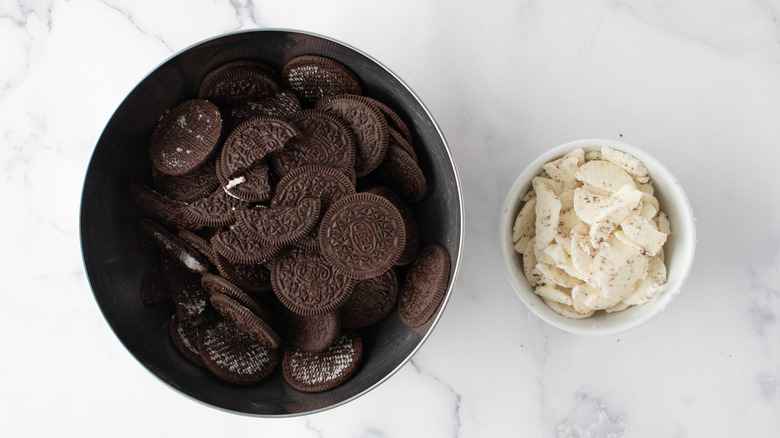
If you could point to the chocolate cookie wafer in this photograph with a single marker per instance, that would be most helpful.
(367, 123)
(239, 247)
(393, 119)
(254, 278)
(280, 225)
(187, 294)
(184, 334)
(317, 372)
(160, 207)
(251, 141)
(306, 284)
(325, 139)
(174, 247)
(312, 181)
(425, 285)
(251, 185)
(362, 235)
(215, 210)
(400, 172)
(185, 137)
(198, 243)
(371, 301)
(311, 77)
(235, 84)
(412, 241)
(310, 333)
(233, 356)
(188, 187)
(245, 320)
(284, 104)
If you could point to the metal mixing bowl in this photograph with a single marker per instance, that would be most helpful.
(115, 263)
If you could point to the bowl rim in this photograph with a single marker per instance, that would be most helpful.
(455, 268)
(587, 326)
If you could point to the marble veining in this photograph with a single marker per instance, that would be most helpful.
(695, 83)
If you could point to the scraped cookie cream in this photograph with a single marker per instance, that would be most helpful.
(591, 234)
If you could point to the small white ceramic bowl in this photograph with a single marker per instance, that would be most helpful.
(678, 250)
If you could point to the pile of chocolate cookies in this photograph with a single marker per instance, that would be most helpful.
(280, 206)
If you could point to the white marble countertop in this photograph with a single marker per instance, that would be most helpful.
(697, 86)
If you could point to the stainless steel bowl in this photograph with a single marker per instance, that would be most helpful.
(115, 264)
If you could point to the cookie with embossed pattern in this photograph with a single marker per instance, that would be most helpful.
(367, 123)
(187, 294)
(311, 77)
(253, 277)
(400, 172)
(283, 104)
(362, 235)
(397, 139)
(177, 249)
(245, 320)
(424, 287)
(317, 372)
(239, 247)
(235, 84)
(309, 333)
(197, 242)
(325, 139)
(233, 356)
(160, 207)
(218, 284)
(251, 141)
(393, 119)
(280, 225)
(412, 241)
(371, 301)
(184, 334)
(305, 283)
(215, 210)
(312, 181)
(188, 187)
(251, 185)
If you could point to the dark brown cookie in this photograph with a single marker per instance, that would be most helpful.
(393, 119)
(306, 284)
(317, 372)
(325, 139)
(397, 139)
(362, 235)
(236, 84)
(402, 174)
(425, 285)
(187, 294)
(412, 242)
(283, 104)
(184, 334)
(197, 242)
(251, 185)
(239, 247)
(281, 225)
(245, 320)
(215, 210)
(310, 333)
(367, 123)
(188, 187)
(371, 301)
(312, 181)
(160, 207)
(251, 141)
(311, 77)
(174, 247)
(185, 137)
(217, 284)
(233, 356)
(254, 278)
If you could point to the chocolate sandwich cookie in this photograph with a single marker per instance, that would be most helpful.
(367, 123)
(317, 372)
(251, 141)
(281, 225)
(362, 235)
(160, 207)
(233, 356)
(397, 139)
(412, 241)
(425, 285)
(239, 247)
(185, 137)
(188, 187)
(217, 284)
(198, 243)
(310, 333)
(325, 139)
(235, 84)
(312, 181)
(400, 172)
(172, 246)
(215, 210)
(245, 320)
(306, 284)
(372, 300)
(254, 278)
(311, 77)
(187, 294)
(184, 334)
